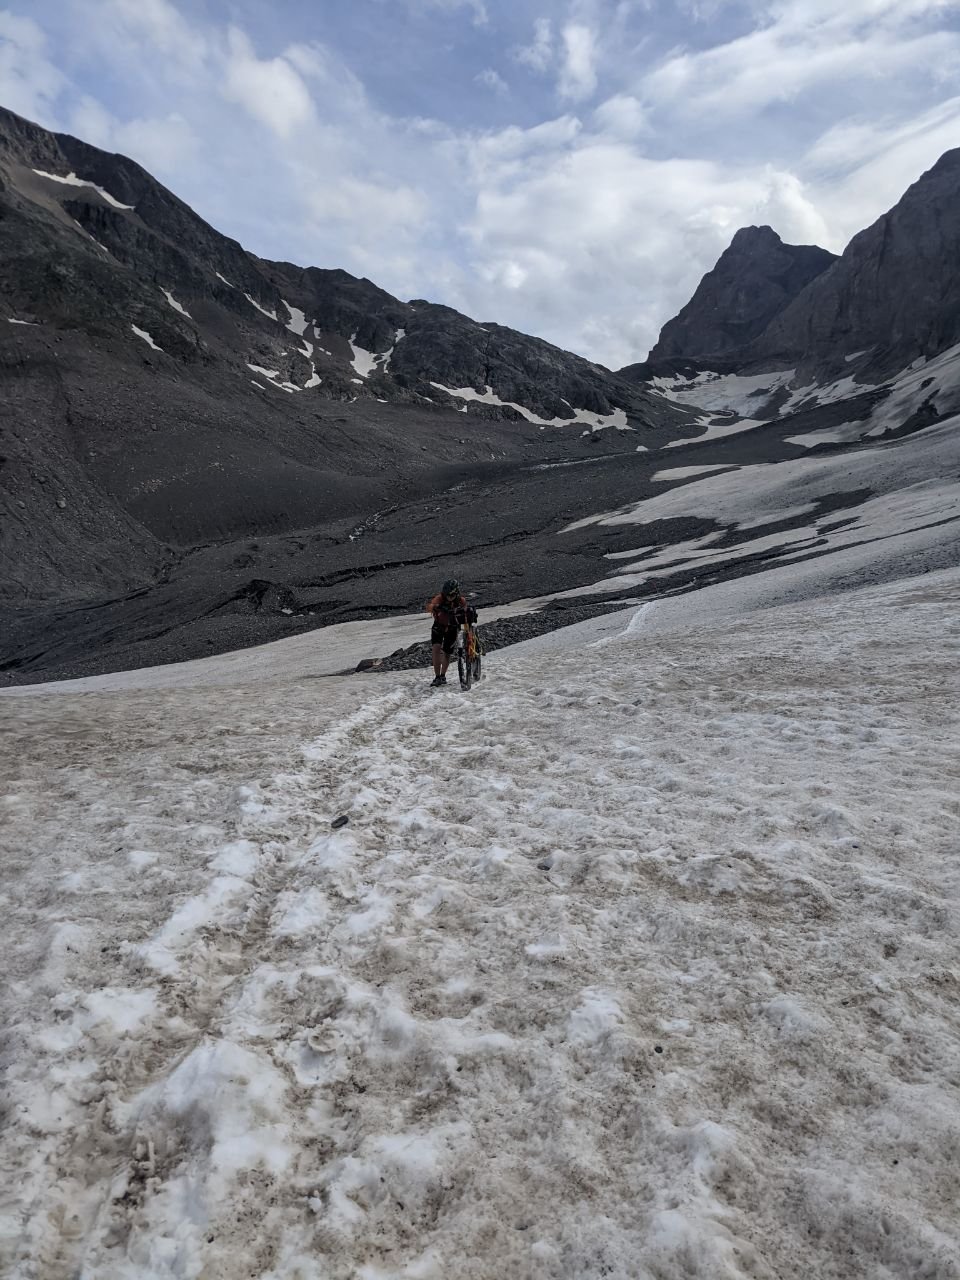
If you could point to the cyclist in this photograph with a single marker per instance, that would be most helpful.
(449, 609)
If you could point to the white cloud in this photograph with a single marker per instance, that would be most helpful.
(271, 90)
(623, 116)
(160, 24)
(29, 82)
(858, 169)
(494, 81)
(578, 72)
(383, 209)
(165, 145)
(538, 55)
(564, 225)
(804, 45)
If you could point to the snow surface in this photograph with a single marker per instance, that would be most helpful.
(650, 973)
(717, 431)
(175, 304)
(32, 324)
(273, 374)
(365, 362)
(72, 180)
(725, 393)
(685, 473)
(596, 421)
(916, 508)
(142, 333)
(298, 321)
(271, 315)
(226, 281)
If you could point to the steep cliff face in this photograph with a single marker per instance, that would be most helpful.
(893, 295)
(755, 279)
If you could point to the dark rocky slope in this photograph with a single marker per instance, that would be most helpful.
(755, 279)
(163, 388)
(894, 293)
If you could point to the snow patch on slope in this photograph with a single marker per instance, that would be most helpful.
(271, 315)
(365, 362)
(298, 321)
(71, 180)
(175, 304)
(725, 393)
(596, 421)
(142, 333)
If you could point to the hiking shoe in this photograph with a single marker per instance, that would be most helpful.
(436, 682)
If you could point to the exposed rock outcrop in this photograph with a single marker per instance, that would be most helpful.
(893, 294)
(755, 279)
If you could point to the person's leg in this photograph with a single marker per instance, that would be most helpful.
(449, 644)
(439, 661)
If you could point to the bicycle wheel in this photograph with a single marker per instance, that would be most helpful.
(476, 667)
(464, 668)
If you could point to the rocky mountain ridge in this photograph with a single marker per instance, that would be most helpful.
(93, 242)
(755, 279)
(889, 299)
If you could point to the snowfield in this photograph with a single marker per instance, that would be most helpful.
(639, 961)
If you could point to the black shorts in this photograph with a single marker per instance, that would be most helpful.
(445, 636)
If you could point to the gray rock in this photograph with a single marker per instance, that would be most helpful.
(893, 293)
(755, 279)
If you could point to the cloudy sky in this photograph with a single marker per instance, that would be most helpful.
(569, 168)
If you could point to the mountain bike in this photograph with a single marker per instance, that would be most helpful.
(469, 654)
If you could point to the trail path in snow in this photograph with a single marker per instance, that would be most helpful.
(642, 960)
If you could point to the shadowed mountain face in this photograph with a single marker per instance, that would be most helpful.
(893, 293)
(753, 282)
(891, 297)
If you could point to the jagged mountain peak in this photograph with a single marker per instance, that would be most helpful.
(892, 294)
(755, 278)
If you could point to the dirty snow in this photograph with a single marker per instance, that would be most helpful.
(649, 973)
(596, 421)
(175, 304)
(717, 431)
(142, 333)
(71, 180)
(936, 381)
(685, 473)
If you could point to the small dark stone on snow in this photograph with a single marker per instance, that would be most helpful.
(658, 1048)
(545, 864)
(340, 822)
